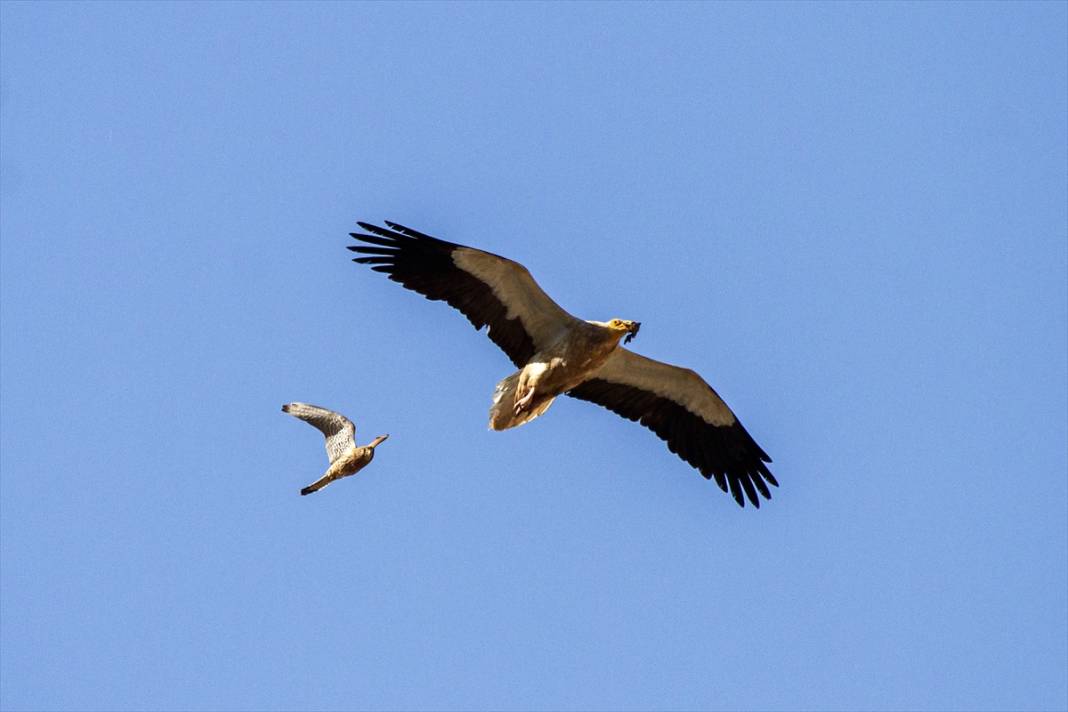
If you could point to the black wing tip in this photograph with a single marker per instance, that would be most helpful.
(398, 227)
(736, 492)
(744, 484)
(754, 483)
(752, 472)
(742, 489)
(401, 238)
(729, 455)
(393, 228)
(409, 232)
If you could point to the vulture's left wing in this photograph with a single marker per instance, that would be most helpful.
(489, 289)
(677, 404)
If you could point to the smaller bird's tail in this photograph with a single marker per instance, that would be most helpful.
(502, 412)
(318, 484)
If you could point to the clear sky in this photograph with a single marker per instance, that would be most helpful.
(850, 218)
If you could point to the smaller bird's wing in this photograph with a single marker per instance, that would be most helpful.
(677, 405)
(489, 289)
(339, 431)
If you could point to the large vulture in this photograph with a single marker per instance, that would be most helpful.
(558, 353)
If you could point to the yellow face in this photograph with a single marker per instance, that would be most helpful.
(625, 326)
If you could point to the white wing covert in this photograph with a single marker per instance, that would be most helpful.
(488, 289)
(684, 411)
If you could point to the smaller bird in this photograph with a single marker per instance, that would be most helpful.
(345, 458)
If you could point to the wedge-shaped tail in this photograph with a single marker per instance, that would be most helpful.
(502, 412)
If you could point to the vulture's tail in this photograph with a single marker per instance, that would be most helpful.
(502, 412)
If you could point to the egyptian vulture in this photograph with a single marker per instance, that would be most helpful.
(558, 353)
(345, 458)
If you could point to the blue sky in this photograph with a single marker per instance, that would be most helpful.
(850, 218)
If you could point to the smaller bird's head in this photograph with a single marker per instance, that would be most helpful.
(624, 326)
(378, 441)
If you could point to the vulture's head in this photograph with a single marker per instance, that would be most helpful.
(623, 326)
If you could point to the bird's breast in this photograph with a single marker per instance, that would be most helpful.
(350, 462)
(568, 365)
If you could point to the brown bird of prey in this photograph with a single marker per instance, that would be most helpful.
(345, 458)
(557, 353)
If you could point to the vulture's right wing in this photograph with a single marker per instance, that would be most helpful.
(677, 405)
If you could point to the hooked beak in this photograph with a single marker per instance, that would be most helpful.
(377, 441)
(632, 331)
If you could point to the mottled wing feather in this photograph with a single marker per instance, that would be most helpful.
(683, 410)
(488, 289)
(339, 431)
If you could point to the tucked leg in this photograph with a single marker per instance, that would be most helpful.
(523, 402)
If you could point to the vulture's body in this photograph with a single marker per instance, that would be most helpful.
(346, 458)
(557, 353)
(564, 363)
